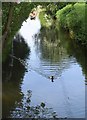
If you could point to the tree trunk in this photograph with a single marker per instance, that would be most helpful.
(7, 28)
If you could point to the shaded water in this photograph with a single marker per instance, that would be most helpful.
(32, 85)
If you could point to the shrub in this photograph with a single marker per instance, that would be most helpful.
(72, 17)
(61, 15)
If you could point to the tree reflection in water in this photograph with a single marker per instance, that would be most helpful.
(25, 110)
(15, 105)
(12, 76)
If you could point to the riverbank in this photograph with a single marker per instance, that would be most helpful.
(72, 19)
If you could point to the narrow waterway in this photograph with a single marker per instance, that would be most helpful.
(52, 74)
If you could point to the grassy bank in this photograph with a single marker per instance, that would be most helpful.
(72, 19)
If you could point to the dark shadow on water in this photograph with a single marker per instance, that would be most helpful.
(12, 76)
(14, 102)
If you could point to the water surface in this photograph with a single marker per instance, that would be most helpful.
(65, 94)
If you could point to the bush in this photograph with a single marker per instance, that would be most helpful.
(72, 17)
(61, 15)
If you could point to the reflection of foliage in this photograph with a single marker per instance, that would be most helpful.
(20, 48)
(75, 50)
(24, 110)
(51, 45)
(12, 76)
(50, 33)
(80, 53)
(64, 51)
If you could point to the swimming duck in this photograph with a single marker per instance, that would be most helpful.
(52, 78)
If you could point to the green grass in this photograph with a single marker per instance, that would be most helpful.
(72, 18)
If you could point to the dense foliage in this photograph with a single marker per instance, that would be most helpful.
(20, 12)
(72, 18)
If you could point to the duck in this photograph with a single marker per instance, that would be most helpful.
(52, 78)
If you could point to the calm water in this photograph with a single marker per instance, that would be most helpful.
(28, 82)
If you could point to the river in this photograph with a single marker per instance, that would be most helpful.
(44, 76)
